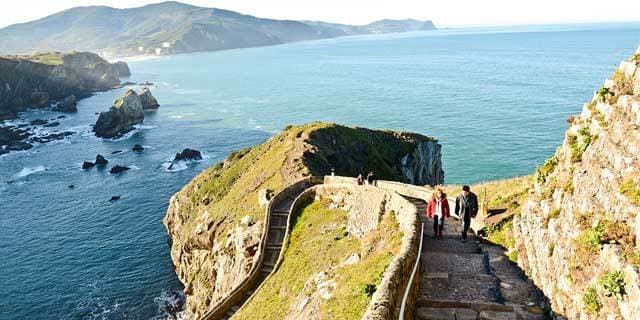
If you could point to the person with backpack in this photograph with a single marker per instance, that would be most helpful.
(438, 210)
(466, 208)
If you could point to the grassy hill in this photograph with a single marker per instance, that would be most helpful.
(172, 27)
(215, 221)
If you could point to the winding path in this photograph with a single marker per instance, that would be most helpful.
(278, 212)
(456, 280)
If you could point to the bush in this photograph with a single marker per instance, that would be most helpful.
(591, 300)
(604, 94)
(546, 169)
(578, 146)
(616, 231)
(630, 190)
(369, 289)
(624, 85)
(613, 284)
(554, 214)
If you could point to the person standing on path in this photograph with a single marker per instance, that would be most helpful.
(466, 208)
(438, 210)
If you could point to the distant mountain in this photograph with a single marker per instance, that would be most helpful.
(172, 27)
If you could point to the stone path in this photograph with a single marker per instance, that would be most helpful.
(471, 281)
(277, 231)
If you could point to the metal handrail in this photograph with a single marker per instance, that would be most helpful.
(413, 274)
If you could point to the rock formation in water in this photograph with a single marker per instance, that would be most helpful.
(215, 222)
(187, 155)
(45, 79)
(577, 236)
(68, 104)
(148, 101)
(123, 115)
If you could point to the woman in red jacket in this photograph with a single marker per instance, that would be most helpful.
(438, 209)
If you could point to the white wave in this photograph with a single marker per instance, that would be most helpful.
(170, 305)
(29, 171)
(174, 166)
(180, 116)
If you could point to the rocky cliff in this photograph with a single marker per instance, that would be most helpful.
(214, 222)
(41, 80)
(577, 235)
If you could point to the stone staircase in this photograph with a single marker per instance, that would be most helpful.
(279, 210)
(470, 281)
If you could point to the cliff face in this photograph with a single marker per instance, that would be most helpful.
(42, 79)
(577, 236)
(215, 221)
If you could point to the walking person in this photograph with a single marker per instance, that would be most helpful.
(371, 179)
(438, 210)
(466, 208)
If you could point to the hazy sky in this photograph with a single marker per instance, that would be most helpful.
(445, 13)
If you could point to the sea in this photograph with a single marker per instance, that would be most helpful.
(496, 98)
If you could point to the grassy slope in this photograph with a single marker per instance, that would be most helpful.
(318, 244)
(229, 192)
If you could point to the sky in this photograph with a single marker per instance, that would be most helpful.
(444, 13)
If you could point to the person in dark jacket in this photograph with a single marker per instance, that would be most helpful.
(466, 208)
(438, 210)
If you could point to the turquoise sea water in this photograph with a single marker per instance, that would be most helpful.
(497, 98)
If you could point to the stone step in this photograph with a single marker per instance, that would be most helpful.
(450, 244)
(475, 305)
(459, 287)
(455, 263)
(280, 212)
(445, 314)
(273, 247)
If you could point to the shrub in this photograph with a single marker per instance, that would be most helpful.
(369, 289)
(604, 94)
(616, 231)
(578, 146)
(554, 214)
(613, 284)
(591, 300)
(624, 85)
(630, 189)
(547, 168)
(633, 258)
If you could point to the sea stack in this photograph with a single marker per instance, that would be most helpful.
(124, 114)
(148, 101)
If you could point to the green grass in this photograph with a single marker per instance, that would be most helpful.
(604, 95)
(546, 169)
(630, 189)
(623, 84)
(613, 284)
(591, 301)
(318, 245)
(579, 144)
